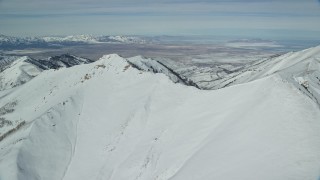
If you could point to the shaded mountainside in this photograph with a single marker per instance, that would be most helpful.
(111, 120)
(148, 64)
(57, 62)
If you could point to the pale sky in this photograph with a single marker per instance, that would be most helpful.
(291, 19)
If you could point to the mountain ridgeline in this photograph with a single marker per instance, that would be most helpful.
(71, 118)
(67, 60)
(9, 42)
(305, 61)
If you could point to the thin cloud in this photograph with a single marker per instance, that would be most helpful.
(162, 16)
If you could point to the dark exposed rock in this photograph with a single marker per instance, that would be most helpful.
(57, 62)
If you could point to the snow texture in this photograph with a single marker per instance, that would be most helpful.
(110, 120)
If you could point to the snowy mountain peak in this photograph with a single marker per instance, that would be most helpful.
(114, 60)
(111, 56)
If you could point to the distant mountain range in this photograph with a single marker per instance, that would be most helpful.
(7, 42)
(11, 42)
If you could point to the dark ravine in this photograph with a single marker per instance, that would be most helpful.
(185, 80)
(156, 66)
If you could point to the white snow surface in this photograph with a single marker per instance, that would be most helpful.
(108, 120)
(18, 73)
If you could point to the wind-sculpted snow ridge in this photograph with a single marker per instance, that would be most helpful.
(109, 120)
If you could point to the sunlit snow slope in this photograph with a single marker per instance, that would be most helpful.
(109, 120)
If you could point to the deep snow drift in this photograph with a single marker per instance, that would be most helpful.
(109, 120)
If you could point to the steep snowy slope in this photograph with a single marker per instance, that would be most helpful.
(18, 73)
(148, 64)
(108, 120)
(203, 73)
(5, 61)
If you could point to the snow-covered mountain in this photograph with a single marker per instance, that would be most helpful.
(299, 68)
(16, 71)
(94, 39)
(16, 42)
(112, 119)
(75, 38)
(6, 60)
(205, 77)
(48, 41)
(56, 62)
(128, 39)
(148, 64)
